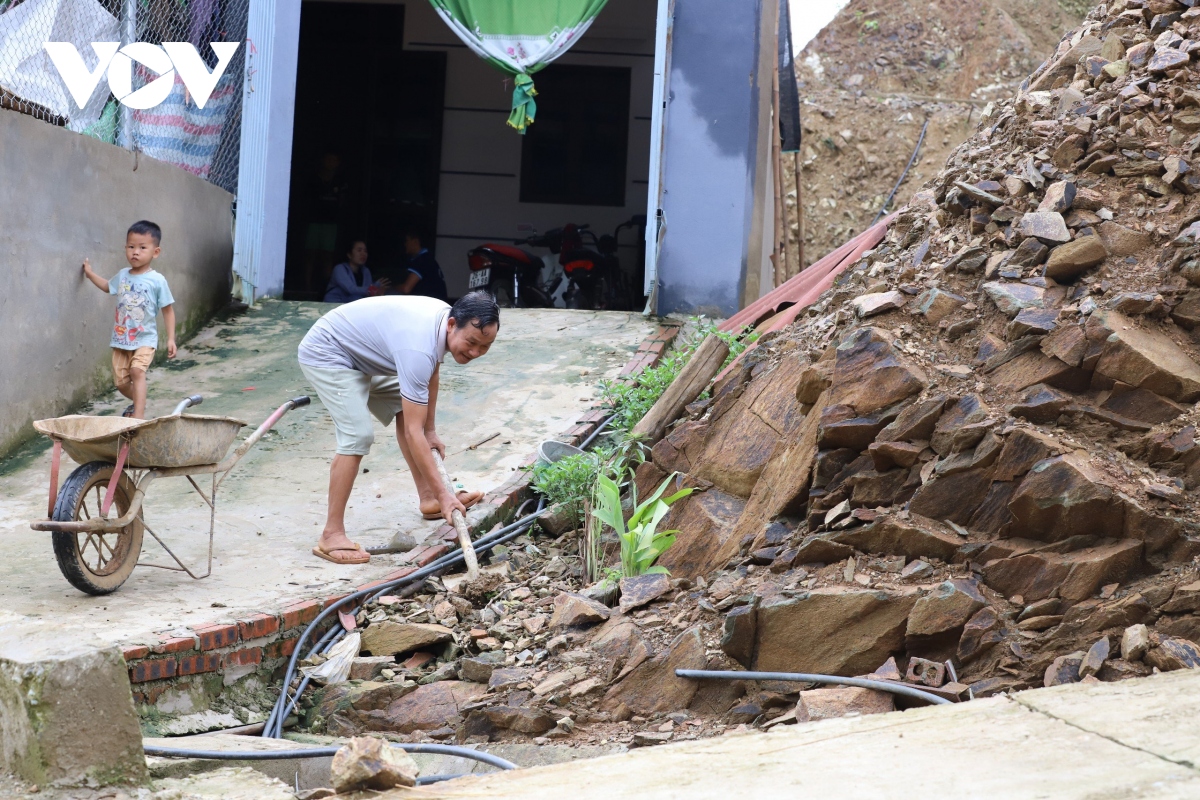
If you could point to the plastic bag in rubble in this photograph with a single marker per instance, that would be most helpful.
(336, 667)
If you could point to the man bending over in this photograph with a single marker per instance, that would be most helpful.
(381, 356)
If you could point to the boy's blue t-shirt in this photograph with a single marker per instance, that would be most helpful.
(139, 299)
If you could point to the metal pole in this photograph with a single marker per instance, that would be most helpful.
(128, 36)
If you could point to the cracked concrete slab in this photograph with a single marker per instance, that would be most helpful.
(537, 379)
(1090, 742)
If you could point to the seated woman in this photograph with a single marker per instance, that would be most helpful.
(351, 280)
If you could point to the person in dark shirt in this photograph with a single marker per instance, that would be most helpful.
(424, 275)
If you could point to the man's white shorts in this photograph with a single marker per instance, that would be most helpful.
(352, 398)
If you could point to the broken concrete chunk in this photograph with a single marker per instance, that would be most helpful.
(370, 763)
(66, 709)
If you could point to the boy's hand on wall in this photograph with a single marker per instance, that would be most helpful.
(87, 267)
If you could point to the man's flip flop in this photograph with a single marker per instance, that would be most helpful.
(468, 499)
(360, 555)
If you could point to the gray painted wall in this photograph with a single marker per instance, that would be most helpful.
(67, 196)
(716, 157)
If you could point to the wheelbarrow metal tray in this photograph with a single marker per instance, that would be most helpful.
(187, 440)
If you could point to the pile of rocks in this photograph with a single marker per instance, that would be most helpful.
(971, 466)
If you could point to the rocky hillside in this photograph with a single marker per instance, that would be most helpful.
(971, 467)
(876, 74)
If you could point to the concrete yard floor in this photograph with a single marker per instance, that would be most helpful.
(1100, 741)
(534, 383)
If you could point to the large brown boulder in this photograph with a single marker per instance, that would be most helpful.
(938, 618)
(953, 497)
(653, 686)
(741, 440)
(912, 536)
(1073, 576)
(783, 487)
(389, 638)
(1063, 497)
(349, 709)
(705, 521)
(831, 631)
(1146, 358)
(869, 375)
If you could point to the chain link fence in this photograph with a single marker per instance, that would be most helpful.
(203, 141)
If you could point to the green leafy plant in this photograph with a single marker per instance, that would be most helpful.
(569, 480)
(641, 541)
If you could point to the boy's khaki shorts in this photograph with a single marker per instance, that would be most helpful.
(352, 398)
(125, 360)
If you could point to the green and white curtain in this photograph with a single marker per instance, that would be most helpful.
(519, 37)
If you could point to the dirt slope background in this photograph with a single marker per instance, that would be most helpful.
(870, 80)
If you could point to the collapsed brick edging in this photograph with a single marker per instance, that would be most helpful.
(265, 640)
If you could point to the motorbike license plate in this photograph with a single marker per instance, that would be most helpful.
(480, 279)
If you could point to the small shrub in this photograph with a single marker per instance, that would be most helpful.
(641, 541)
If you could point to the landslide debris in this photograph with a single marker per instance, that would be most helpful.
(870, 80)
(971, 466)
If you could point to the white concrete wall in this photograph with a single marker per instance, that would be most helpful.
(474, 209)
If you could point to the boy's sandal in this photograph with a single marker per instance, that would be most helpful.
(128, 412)
(356, 554)
(468, 499)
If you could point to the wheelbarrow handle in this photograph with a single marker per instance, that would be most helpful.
(252, 439)
(187, 403)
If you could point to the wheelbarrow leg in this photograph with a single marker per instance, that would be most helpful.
(55, 463)
(114, 480)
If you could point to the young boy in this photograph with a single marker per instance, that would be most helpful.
(141, 294)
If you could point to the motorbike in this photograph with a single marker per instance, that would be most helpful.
(589, 265)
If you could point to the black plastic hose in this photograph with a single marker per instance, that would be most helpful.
(324, 752)
(800, 677)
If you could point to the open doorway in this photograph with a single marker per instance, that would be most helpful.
(366, 144)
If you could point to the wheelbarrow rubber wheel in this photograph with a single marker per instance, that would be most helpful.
(98, 562)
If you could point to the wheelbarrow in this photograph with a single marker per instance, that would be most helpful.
(96, 516)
